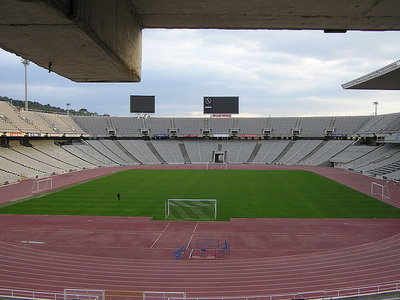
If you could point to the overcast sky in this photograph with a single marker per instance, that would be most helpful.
(274, 73)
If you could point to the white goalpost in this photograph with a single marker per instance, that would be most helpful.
(42, 185)
(191, 209)
(217, 166)
(380, 190)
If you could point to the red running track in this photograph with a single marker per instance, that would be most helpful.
(269, 256)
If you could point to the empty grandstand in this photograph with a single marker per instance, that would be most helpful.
(36, 144)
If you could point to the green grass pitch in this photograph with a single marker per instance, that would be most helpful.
(240, 194)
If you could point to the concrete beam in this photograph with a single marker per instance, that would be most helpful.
(386, 78)
(85, 41)
(271, 14)
(101, 40)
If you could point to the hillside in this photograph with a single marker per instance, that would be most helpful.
(36, 106)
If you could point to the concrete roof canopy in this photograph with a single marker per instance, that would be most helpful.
(101, 40)
(386, 78)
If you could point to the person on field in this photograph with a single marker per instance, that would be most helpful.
(119, 196)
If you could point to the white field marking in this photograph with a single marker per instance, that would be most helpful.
(32, 242)
(191, 237)
(165, 228)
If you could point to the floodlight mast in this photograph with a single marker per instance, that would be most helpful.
(25, 62)
(375, 103)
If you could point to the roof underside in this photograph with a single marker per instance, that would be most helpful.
(271, 14)
(101, 41)
(386, 78)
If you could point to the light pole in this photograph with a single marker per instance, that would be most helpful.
(68, 105)
(376, 107)
(25, 62)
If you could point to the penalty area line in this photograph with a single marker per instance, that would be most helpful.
(191, 237)
(155, 242)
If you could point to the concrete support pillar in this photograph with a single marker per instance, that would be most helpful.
(116, 27)
(85, 41)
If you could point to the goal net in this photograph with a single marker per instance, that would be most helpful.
(217, 166)
(191, 209)
(42, 185)
(380, 190)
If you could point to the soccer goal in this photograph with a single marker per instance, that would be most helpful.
(380, 190)
(217, 166)
(42, 185)
(191, 209)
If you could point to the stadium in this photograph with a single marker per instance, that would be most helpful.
(354, 151)
(212, 207)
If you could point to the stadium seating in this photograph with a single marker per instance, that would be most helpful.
(393, 175)
(314, 127)
(88, 154)
(251, 125)
(377, 160)
(238, 151)
(372, 157)
(158, 125)
(107, 152)
(325, 153)
(118, 150)
(282, 126)
(7, 176)
(350, 154)
(127, 127)
(201, 151)
(49, 148)
(6, 125)
(38, 122)
(220, 125)
(61, 123)
(381, 124)
(298, 151)
(348, 125)
(189, 126)
(140, 151)
(61, 143)
(270, 150)
(16, 162)
(13, 115)
(97, 126)
(169, 151)
(51, 164)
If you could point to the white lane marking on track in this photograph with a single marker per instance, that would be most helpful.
(165, 228)
(191, 237)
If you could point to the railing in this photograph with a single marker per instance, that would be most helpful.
(30, 294)
(328, 294)
(23, 294)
